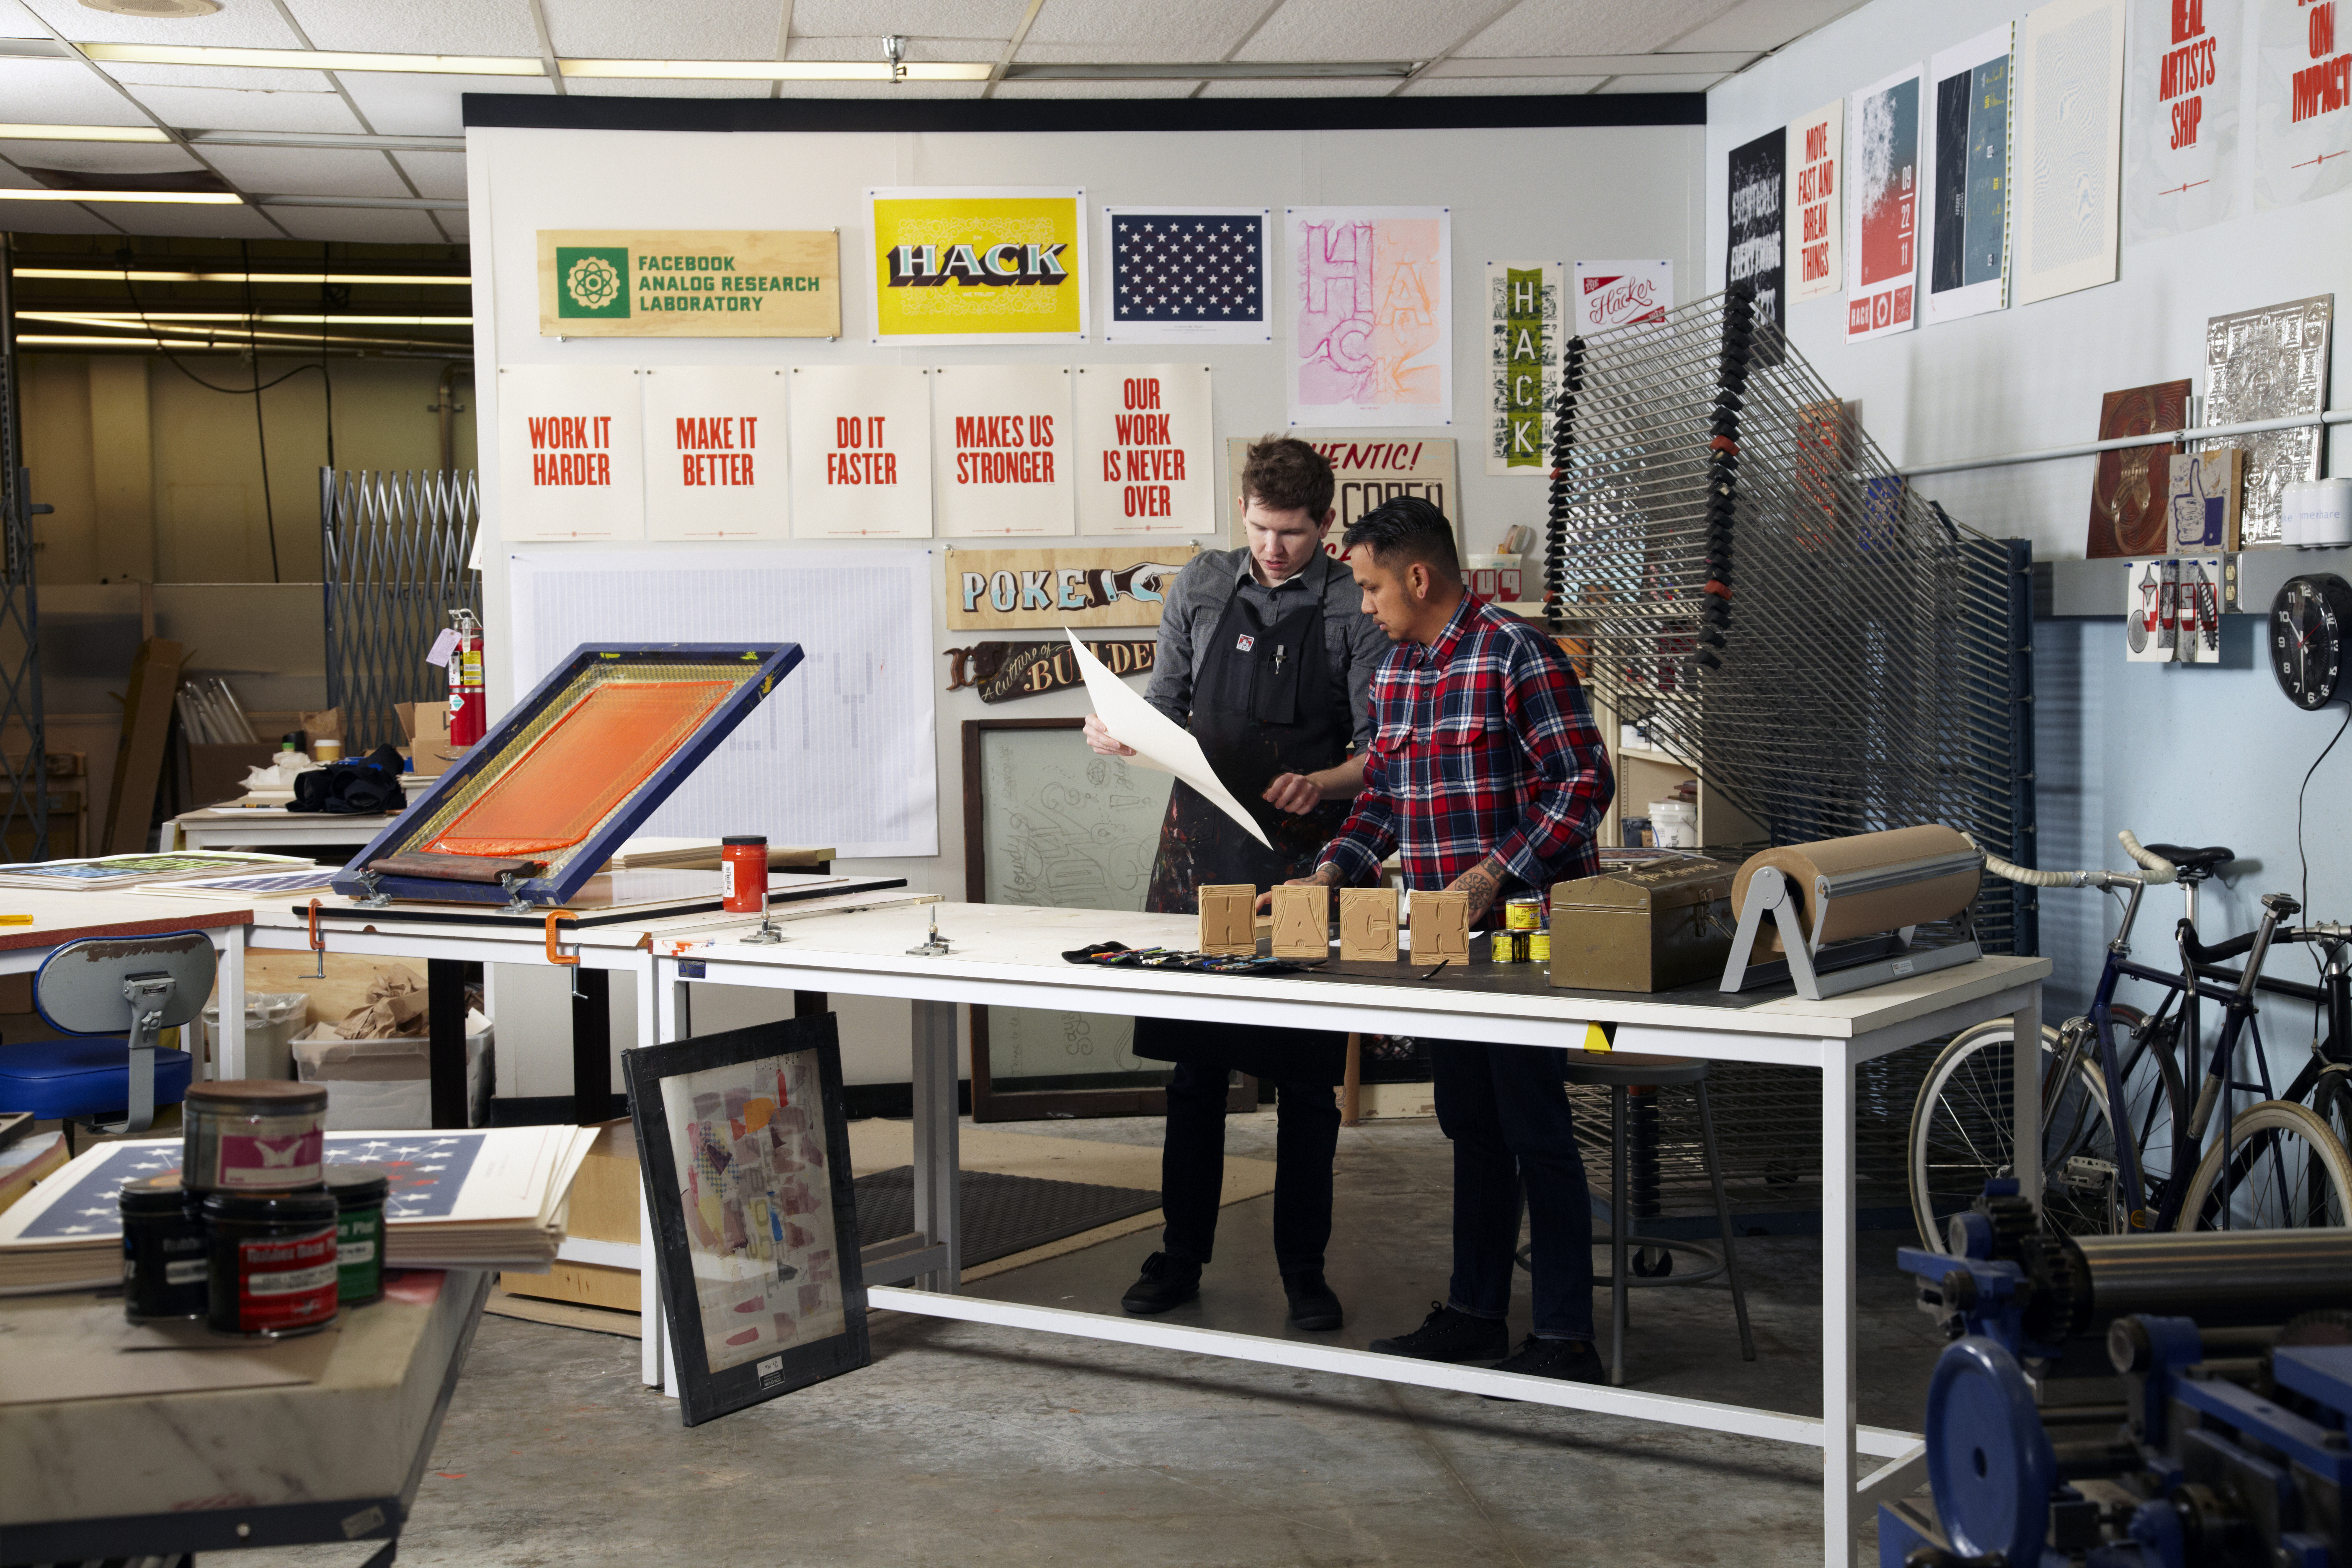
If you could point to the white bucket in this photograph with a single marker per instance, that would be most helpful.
(1674, 825)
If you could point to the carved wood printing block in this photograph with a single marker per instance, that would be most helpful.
(1440, 927)
(1228, 922)
(1368, 924)
(1302, 923)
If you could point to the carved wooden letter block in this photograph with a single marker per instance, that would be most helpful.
(1440, 927)
(1228, 918)
(1302, 923)
(1368, 924)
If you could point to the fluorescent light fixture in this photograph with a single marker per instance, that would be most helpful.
(116, 275)
(324, 140)
(308, 59)
(772, 70)
(1721, 63)
(187, 198)
(137, 317)
(260, 337)
(1213, 70)
(81, 133)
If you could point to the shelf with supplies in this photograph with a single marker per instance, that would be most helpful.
(1646, 773)
(2066, 590)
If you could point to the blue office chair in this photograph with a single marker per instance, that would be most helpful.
(107, 985)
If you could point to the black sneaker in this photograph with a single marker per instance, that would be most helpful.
(1312, 1304)
(1450, 1336)
(1569, 1360)
(1166, 1282)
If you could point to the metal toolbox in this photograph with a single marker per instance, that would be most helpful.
(1650, 926)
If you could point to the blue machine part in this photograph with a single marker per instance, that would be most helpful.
(1989, 1461)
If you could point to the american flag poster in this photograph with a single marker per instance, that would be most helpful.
(1188, 275)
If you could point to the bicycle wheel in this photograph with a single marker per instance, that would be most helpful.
(2287, 1172)
(1960, 1136)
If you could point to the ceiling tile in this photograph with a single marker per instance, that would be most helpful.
(664, 87)
(437, 174)
(1095, 90)
(441, 27)
(673, 29)
(191, 223)
(62, 92)
(221, 109)
(1368, 30)
(99, 157)
(398, 103)
(869, 47)
(17, 180)
(1121, 30)
(390, 227)
(308, 171)
(56, 218)
(1664, 83)
(1595, 27)
(15, 22)
(1500, 86)
(1322, 87)
(455, 225)
(246, 25)
(1765, 24)
(139, 74)
(912, 18)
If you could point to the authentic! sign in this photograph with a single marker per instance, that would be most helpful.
(1002, 671)
(690, 283)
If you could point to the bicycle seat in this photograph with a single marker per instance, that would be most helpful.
(2197, 862)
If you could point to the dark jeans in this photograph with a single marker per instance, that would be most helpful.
(1192, 1166)
(1506, 1109)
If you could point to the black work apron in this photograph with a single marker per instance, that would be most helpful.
(1264, 703)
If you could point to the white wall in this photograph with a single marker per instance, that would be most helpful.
(1556, 194)
(2202, 754)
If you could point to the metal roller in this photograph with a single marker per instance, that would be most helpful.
(2222, 1278)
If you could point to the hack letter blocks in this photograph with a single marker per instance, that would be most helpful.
(1367, 925)
(1228, 918)
(1302, 923)
(1440, 927)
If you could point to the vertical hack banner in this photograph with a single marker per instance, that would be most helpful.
(861, 452)
(569, 454)
(1882, 221)
(979, 264)
(716, 438)
(2070, 93)
(2303, 108)
(1524, 305)
(1815, 236)
(1001, 450)
(1371, 332)
(1145, 463)
(2180, 116)
(1967, 239)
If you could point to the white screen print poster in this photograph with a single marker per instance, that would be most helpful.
(2070, 81)
(2303, 110)
(1607, 295)
(716, 438)
(1881, 218)
(861, 452)
(1815, 234)
(842, 752)
(2180, 116)
(571, 459)
(1145, 463)
(1001, 450)
(1370, 340)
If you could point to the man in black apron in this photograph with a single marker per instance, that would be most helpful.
(1265, 654)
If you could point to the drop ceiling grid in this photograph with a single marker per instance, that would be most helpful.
(246, 25)
(869, 20)
(673, 29)
(1500, 86)
(15, 22)
(1085, 31)
(419, 26)
(1365, 29)
(62, 92)
(227, 109)
(399, 104)
(1590, 26)
(375, 225)
(100, 157)
(438, 175)
(308, 172)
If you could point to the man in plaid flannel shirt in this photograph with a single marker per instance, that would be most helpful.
(1484, 776)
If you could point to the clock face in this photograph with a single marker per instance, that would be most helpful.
(2309, 623)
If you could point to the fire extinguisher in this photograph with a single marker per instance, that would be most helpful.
(468, 703)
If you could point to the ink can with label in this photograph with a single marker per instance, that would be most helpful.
(743, 874)
(1539, 946)
(1507, 947)
(359, 1231)
(252, 1135)
(1523, 914)
(163, 1252)
(273, 1262)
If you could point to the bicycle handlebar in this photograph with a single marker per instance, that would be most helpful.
(2159, 869)
(2221, 952)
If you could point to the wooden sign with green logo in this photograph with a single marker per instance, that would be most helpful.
(690, 283)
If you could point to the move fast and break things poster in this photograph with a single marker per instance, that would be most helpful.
(1882, 215)
(1815, 258)
(1372, 294)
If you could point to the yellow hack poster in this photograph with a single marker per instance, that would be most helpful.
(977, 264)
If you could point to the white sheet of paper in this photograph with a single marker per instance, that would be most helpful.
(1158, 743)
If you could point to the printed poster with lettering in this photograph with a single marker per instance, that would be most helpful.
(1367, 470)
(2303, 105)
(1176, 273)
(2066, 214)
(569, 454)
(1146, 462)
(979, 264)
(1967, 134)
(1756, 201)
(1001, 450)
(1816, 230)
(1607, 295)
(1882, 221)
(2180, 116)
(1526, 304)
(690, 283)
(1024, 589)
(716, 438)
(861, 452)
(1370, 340)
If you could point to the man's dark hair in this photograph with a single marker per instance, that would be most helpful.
(1284, 473)
(1401, 532)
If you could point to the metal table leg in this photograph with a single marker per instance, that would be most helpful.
(1839, 1364)
(445, 993)
(936, 1130)
(592, 1045)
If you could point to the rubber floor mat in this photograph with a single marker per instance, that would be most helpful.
(1002, 1215)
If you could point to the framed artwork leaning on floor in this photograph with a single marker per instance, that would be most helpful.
(745, 1152)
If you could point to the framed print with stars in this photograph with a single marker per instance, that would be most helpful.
(1179, 274)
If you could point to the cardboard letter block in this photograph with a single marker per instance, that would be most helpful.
(1302, 923)
(1367, 925)
(1440, 927)
(1228, 918)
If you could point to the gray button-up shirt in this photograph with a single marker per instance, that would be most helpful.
(1353, 642)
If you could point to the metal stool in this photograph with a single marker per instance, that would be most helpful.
(1621, 1072)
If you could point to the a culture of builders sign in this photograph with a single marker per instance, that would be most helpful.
(690, 283)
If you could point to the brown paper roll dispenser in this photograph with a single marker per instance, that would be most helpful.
(1842, 912)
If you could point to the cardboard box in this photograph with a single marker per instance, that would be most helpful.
(603, 1207)
(1649, 927)
(427, 725)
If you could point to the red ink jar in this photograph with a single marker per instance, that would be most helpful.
(743, 874)
(273, 1262)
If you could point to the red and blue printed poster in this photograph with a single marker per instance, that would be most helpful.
(1881, 213)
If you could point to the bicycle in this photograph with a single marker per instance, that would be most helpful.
(2094, 1182)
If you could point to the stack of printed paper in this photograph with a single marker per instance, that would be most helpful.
(486, 1198)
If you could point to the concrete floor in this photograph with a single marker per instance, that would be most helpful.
(970, 1446)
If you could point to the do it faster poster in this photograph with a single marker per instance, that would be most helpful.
(979, 264)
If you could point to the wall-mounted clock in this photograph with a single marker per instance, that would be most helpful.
(2311, 621)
